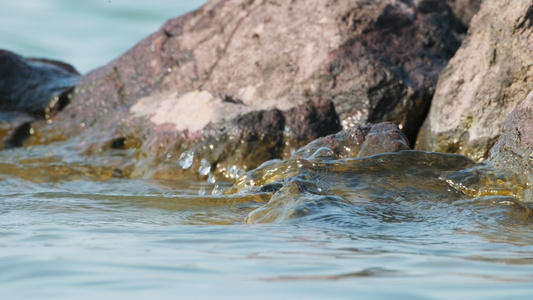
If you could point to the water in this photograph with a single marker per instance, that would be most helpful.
(86, 34)
(84, 235)
(371, 228)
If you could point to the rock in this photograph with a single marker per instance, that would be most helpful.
(488, 77)
(513, 152)
(357, 141)
(34, 85)
(354, 142)
(14, 129)
(30, 89)
(239, 82)
(464, 9)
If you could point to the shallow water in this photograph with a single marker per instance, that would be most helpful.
(372, 228)
(100, 237)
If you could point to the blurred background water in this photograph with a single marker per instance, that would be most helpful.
(86, 34)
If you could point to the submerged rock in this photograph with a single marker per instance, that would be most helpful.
(370, 166)
(357, 141)
(239, 82)
(30, 89)
(329, 189)
(488, 78)
(404, 181)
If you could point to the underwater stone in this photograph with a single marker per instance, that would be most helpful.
(357, 141)
(383, 137)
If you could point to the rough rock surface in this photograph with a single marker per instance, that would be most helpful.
(488, 77)
(30, 88)
(238, 82)
(465, 9)
(513, 152)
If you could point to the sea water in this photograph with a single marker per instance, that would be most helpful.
(72, 235)
(87, 34)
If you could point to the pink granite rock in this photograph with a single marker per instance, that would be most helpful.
(238, 82)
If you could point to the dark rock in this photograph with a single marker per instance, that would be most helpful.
(357, 141)
(30, 89)
(487, 79)
(33, 85)
(208, 83)
(387, 67)
(383, 137)
(464, 9)
(14, 129)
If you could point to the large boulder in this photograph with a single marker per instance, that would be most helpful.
(488, 77)
(238, 82)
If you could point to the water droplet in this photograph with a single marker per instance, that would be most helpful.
(211, 178)
(205, 167)
(216, 190)
(186, 159)
(201, 192)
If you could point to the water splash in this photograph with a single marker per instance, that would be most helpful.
(205, 167)
(201, 192)
(211, 178)
(186, 159)
(217, 190)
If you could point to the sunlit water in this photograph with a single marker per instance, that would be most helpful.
(72, 232)
(127, 238)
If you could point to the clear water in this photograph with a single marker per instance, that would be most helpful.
(86, 34)
(66, 233)
(72, 234)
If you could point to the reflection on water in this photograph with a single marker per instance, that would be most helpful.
(331, 229)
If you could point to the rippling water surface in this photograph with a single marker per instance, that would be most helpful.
(84, 237)
(395, 226)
